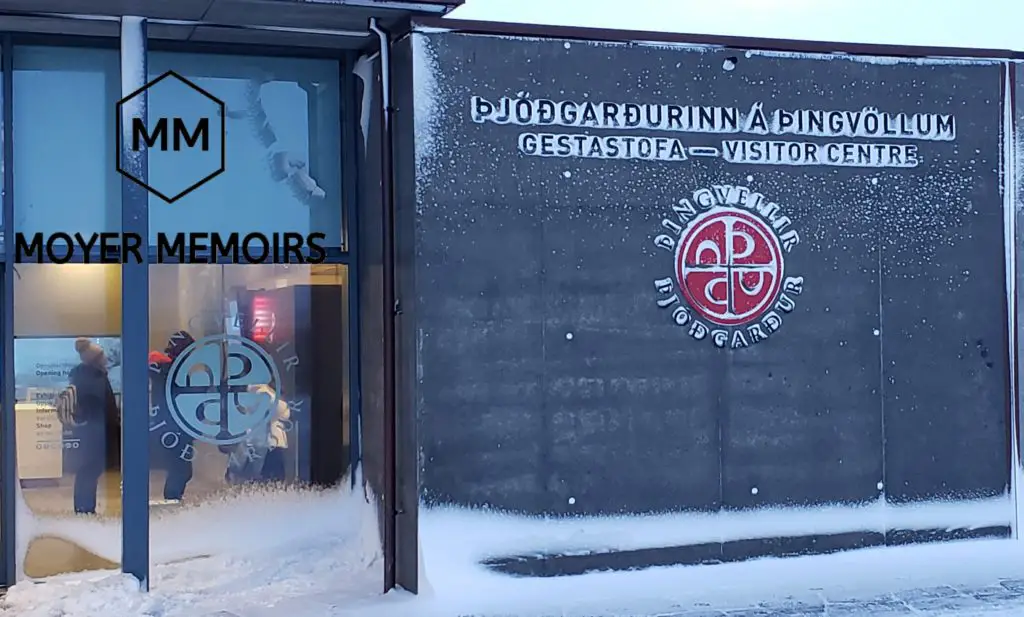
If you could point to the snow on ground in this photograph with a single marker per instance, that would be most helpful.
(526, 535)
(282, 543)
(315, 553)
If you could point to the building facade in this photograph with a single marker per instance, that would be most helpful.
(541, 301)
(228, 375)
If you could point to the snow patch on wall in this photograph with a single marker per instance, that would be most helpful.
(133, 77)
(432, 29)
(880, 60)
(1009, 183)
(700, 48)
(705, 47)
(364, 71)
(427, 98)
(521, 534)
(1018, 144)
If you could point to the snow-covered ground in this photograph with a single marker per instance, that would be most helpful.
(315, 554)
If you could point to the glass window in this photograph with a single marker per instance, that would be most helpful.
(64, 101)
(283, 146)
(249, 399)
(67, 328)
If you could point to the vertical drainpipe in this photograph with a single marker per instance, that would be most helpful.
(390, 304)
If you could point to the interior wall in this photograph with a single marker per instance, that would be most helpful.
(197, 292)
(85, 299)
(67, 300)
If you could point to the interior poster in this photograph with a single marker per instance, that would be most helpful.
(41, 369)
(42, 365)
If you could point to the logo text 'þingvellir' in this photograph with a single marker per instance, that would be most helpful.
(196, 247)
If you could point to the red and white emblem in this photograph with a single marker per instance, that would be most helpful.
(729, 266)
(729, 282)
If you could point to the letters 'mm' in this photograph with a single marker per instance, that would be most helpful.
(181, 133)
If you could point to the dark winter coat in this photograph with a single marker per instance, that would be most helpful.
(97, 405)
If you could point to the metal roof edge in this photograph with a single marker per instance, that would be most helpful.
(428, 7)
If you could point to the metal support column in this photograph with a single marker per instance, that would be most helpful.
(8, 444)
(135, 317)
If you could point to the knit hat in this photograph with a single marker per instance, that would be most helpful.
(90, 352)
(177, 343)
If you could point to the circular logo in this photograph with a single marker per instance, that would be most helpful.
(221, 387)
(729, 266)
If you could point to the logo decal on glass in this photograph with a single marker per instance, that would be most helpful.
(167, 140)
(214, 390)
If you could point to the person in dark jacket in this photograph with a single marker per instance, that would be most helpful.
(175, 453)
(100, 431)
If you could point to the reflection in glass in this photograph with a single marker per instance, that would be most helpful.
(64, 99)
(67, 382)
(249, 388)
(283, 147)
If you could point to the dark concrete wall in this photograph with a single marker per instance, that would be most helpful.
(548, 380)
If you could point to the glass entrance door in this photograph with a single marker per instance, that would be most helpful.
(249, 400)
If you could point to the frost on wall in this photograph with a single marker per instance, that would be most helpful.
(1014, 189)
(657, 280)
(428, 93)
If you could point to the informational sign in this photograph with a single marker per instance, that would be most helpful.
(41, 369)
(45, 363)
(704, 279)
(867, 137)
(40, 441)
